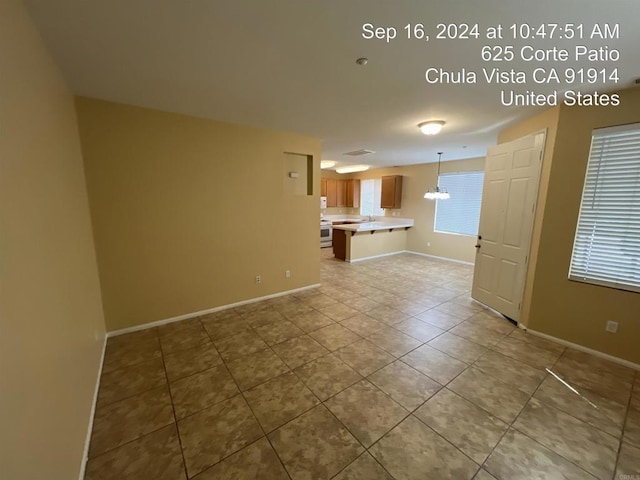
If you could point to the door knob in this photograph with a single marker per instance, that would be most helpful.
(477, 246)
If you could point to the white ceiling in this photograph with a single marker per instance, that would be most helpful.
(290, 65)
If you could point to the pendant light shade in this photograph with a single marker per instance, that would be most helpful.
(437, 193)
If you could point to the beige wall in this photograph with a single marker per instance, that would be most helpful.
(187, 211)
(575, 311)
(365, 245)
(51, 323)
(417, 179)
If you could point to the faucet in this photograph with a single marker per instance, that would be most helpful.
(371, 218)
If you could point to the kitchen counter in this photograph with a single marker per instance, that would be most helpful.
(344, 218)
(375, 226)
(360, 241)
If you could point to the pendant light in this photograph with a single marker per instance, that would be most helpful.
(437, 194)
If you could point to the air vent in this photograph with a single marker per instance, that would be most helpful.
(359, 153)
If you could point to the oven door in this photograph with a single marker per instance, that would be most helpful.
(325, 236)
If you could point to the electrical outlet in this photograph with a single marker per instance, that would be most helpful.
(428, 244)
(287, 273)
(258, 279)
(612, 327)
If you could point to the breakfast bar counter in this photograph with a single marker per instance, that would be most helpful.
(360, 241)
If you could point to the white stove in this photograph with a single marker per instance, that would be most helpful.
(326, 234)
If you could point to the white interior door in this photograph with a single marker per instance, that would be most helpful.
(511, 178)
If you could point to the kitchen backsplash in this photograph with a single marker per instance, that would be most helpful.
(356, 211)
(338, 210)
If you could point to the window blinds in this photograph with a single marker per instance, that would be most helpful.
(460, 213)
(370, 191)
(606, 249)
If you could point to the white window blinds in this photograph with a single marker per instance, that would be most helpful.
(606, 249)
(460, 213)
(370, 191)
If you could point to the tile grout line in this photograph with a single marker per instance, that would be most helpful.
(535, 440)
(132, 440)
(264, 434)
(510, 425)
(636, 378)
(173, 407)
(373, 282)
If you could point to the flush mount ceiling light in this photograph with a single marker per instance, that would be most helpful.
(327, 164)
(437, 194)
(431, 127)
(352, 168)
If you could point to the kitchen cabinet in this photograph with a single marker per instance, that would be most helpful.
(353, 193)
(391, 195)
(341, 193)
(340, 244)
(332, 192)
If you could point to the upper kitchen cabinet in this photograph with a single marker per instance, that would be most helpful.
(332, 192)
(353, 193)
(391, 195)
(341, 193)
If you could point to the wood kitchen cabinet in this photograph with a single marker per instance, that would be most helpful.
(341, 193)
(353, 193)
(340, 244)
(391, 195)
(332, 192)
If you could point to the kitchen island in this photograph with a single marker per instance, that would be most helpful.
(360, 241)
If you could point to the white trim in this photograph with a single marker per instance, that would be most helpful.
(158, 323)
(446, 259)
(87, 441)
(576, 346)
(376, 256)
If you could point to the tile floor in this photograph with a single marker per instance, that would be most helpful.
(388, 371)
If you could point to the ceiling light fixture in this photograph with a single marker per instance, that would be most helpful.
(352, 168)
(437, 194)
(327, 164)
(431, 127)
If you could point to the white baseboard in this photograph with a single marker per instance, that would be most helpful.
(186, 316)
(92, 414)
(576, 346)
(435, 257)
(376, 256)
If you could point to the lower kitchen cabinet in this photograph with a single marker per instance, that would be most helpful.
(340, 244)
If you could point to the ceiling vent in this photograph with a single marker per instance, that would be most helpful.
(359, 153)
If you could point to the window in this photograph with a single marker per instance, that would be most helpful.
(370, 191)
(606, 249)
(461, 213)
